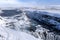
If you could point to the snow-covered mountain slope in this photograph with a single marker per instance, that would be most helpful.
(11, 26)
(22, 24)
(45, 18)
(9, 34)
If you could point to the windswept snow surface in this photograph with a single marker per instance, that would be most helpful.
(9, 34)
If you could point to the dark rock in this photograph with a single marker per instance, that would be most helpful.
(32, 29)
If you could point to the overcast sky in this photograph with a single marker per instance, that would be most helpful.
(28, 2)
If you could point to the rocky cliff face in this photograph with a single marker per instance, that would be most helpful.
(35, 23)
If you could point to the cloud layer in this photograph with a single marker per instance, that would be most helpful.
(28, 3)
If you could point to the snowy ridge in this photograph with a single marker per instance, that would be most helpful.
(8, 34)
(20, 27)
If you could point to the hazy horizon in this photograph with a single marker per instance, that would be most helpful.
(28, 3)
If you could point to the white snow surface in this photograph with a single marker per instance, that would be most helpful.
(9, 34)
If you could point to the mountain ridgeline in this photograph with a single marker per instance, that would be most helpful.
(42, 18)
(40, 24)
